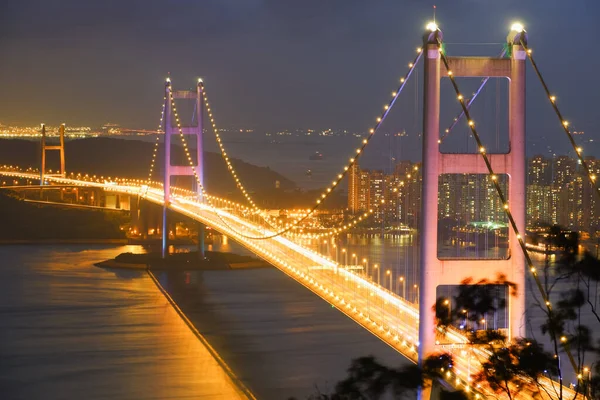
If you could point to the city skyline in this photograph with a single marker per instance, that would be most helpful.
(557, 193)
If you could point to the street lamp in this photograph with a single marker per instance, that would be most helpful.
(378, 274)
(345, 257)
(447, 304)
(337, 253)
(417, 289)
(466, 323)
(389, 273)
(403, 287)
(589, 379)
(366, 264)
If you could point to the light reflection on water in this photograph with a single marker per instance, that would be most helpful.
(71, 330)
(278, 337)
(400, 254)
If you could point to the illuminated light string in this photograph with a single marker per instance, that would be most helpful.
(198, 182)
(347, 307)
(318, 286)
(365, 141)
(226, 158)
(342, 227)
(344, 305)
(230, 167)
(86, 177)
(564, 123)
(270, 221)
(155, 151)
(501, 195)
(314, 283)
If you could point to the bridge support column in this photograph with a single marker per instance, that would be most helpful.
(201, 233)
(436, 271)
(517, 189)
(429, 219)
(134, 212)
(144, 219)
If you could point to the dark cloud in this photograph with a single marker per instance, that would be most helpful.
(267, 63)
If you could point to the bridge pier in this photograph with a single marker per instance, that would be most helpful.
(134, 212)
(201, 232)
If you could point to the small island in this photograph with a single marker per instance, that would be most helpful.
(212, 260)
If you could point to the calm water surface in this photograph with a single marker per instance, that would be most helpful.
(72, 330)
(69, 330)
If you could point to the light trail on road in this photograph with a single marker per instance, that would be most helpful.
(383, 313)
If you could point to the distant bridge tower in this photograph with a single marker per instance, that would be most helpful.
(194, 135)
(436, 271)
(60, 147)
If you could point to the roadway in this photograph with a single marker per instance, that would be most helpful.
(383, 313)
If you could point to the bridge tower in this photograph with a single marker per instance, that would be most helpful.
(436, 271)
(170, 170)
(60, 147)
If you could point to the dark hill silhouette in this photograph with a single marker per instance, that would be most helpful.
(29, 221)
(131, 159)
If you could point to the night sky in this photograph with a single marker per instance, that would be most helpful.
(271, 64)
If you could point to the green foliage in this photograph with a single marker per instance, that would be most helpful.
(473, 302)
(507, 366)
(369, 380)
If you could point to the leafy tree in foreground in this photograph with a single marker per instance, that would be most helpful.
(369, 380)
(509, 365)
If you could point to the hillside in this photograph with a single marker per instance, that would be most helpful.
(131, 158)
(29, 221)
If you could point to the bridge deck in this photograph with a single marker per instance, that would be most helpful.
(389, 317)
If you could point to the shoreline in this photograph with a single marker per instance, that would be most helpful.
(213, 261)
(237, 382)
(7, 242)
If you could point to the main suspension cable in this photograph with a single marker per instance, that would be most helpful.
(564, 123)
(484, 81)
(379, 120)
(157, 142)
(199, 183)
(197, 179)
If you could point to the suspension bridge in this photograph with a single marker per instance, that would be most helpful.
(405, 326)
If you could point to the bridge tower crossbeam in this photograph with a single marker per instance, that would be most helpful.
(436, 271)
(170, 170)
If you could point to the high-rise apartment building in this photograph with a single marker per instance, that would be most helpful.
(539, 171)
(392, 197)
(558, 192)
(358, 189)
